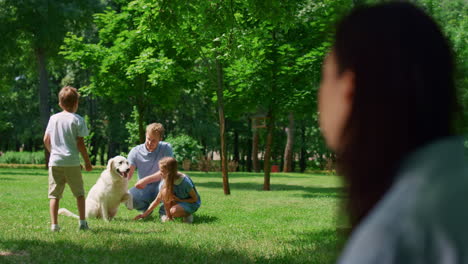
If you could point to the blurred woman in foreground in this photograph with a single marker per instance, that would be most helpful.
(388, 108)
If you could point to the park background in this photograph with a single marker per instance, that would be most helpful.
(236, 79)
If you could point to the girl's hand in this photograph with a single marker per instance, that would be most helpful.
(175, 198)
(140, 185)
(140, 216)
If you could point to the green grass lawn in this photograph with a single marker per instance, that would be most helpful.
(295, 222)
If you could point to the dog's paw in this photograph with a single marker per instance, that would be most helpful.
(129, 204)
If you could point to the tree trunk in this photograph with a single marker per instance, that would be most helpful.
(288, 150)
(141, 129)
(266, 161)
(44, 94)
(270, 116)
(302, 160)
(94, 139)
(93, 150)
(112, 149)
(281, 159)
(236, 147)
(219, 93)
(242, 164)
(101, 154)
(98, 142)
(293, 164)
(248, 161)
(255, 139)
(113, 127)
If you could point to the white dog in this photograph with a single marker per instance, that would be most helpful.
(110, 190)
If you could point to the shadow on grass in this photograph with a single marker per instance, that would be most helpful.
(311, 192)
(43, 173)
(20, 173)
(105, 251)
(321, 246)
(251, 175)
(307, 247)
(7, 179)
(149, 218)
(339, 193)
(197, 219)
(204, 219)
(102, 231)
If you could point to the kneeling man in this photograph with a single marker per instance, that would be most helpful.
(145, 158)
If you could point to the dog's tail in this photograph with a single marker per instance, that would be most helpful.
(65, 212)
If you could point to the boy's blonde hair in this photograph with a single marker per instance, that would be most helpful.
(68, 98)
(155, 129)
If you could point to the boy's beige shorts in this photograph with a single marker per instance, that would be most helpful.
(59, 176)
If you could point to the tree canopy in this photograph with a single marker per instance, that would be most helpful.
(204, 69)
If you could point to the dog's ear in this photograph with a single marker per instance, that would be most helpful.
(110, 164)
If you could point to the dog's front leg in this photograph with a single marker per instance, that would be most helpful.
(105, 212)
(127, 199)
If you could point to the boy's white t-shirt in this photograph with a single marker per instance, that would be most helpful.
(63, 129)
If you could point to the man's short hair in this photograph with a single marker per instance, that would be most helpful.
(155, 129)
(68, 98)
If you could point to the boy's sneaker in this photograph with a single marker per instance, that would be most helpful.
(55, 228)
(188, 219)
(165, 219)
(83, 226)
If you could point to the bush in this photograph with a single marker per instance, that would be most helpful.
(23, 157)
(185, 147)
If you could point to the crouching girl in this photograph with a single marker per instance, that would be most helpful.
(176, 191)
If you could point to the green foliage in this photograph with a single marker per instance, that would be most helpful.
(184, 147)
(155, 61)
(30, 30)
(132, 128)
(88, 139)
(126, 65)
(19, 116)
(11, 157)
(44, 23)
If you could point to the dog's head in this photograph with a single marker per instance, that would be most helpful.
(119, 165)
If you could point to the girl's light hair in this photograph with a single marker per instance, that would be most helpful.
(170, 166)
(68, 98)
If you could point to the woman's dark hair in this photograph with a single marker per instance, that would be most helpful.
(404, 95)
